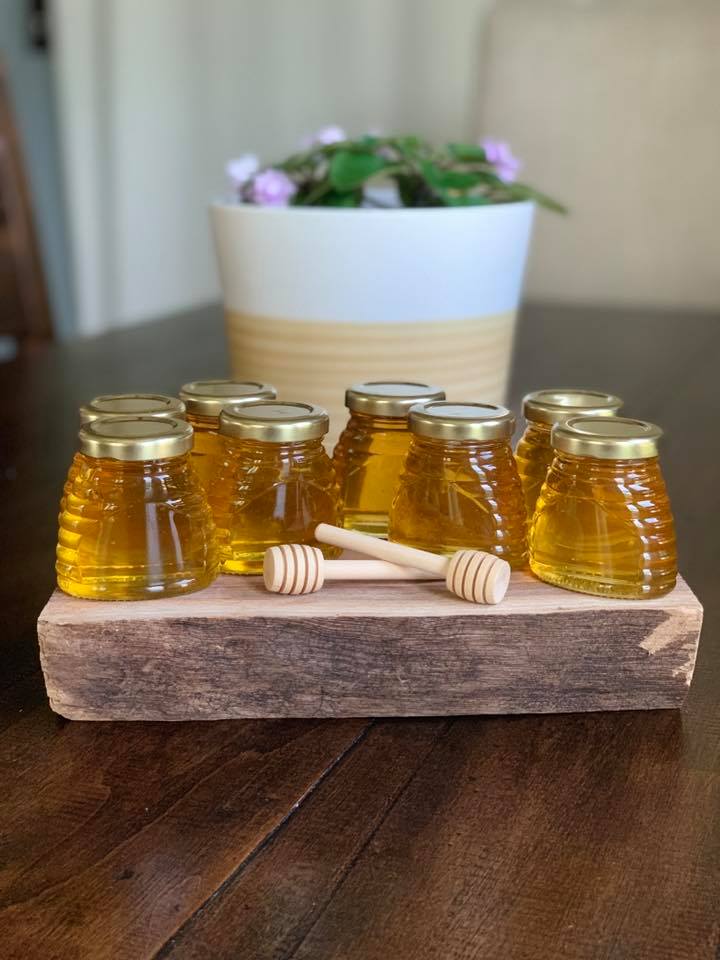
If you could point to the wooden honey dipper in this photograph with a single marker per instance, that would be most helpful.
(470, 574)
(298, 568)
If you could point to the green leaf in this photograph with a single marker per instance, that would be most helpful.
(348, 170)
(408, 144)
(467, 200)
(409, 188)
(441, 179)
(460, 179)
(415, 192)
(467, 152)
(349, 198)
(521, 191)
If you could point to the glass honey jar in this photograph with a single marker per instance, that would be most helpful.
(603, 523)
(460, 487)
(274, 482)
(122, 405)
(135, 523)
(371, 451)
(542, 410)
(204, 400)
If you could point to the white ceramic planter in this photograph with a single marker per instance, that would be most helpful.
(317, 299)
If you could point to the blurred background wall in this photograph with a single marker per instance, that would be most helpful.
(615, 105)
(612, 104)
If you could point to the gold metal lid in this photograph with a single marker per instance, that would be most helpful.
(135, 438)
(448, 420)
(607, 438)
(383, 398)
(123, 405)
(274, 421)
(206, 398)
(558, 406)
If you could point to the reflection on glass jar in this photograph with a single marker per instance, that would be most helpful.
(460, 487)
(274, 481)
(542, 409)
(134, 522)
(204, 400)
(371, 451)
(603, 523)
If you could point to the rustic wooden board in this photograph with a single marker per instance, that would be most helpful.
(380, 649)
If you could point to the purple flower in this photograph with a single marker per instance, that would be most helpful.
(324, 137)
(242, 169)
(272, 188)
(499, 154)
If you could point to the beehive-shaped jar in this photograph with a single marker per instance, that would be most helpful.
(204, 400)
(135, 523)
(371, 451)
(274, 482)
(460, 487)
(542, 410)
(603, 523)
(114, 406)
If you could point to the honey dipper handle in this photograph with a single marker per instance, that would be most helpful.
(374, 570)
(381, 549)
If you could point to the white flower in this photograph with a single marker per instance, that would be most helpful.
(324, 137)
(242, 169)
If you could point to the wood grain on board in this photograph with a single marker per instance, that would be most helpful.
(370, 649)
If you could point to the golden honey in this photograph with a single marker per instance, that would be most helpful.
(542, 409)
(274, 481)
(135, 523)
(603, 523)
(204, 400)
(371, 451)
(460, 487)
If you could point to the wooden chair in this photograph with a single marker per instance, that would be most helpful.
(24, 310)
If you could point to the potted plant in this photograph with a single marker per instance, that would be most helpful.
(375, 258)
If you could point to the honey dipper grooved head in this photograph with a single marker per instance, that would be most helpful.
(478, 577)
(293, 568)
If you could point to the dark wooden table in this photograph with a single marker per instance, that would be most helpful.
(590, 836)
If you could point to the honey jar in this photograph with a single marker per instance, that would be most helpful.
(603, 523)
(542, 409)
(204, 400)
(460, 488)
(370, 453)
(274, 481)
(135, 523)
(122, 405)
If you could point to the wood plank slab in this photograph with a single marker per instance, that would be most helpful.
(381, 649)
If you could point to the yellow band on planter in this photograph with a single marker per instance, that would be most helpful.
(316, 361)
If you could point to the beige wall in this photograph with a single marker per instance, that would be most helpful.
(615, 106)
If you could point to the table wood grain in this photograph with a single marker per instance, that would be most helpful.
(574, 836)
